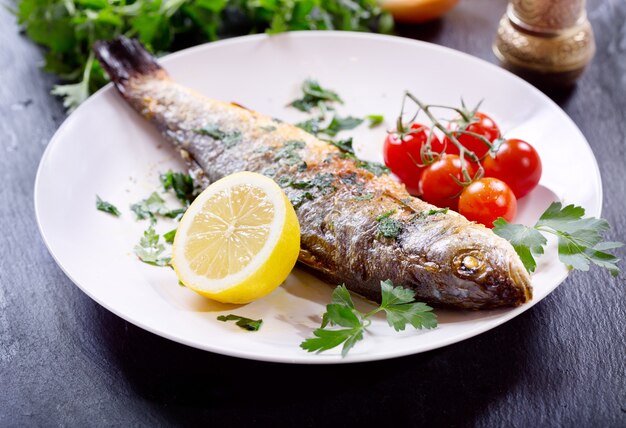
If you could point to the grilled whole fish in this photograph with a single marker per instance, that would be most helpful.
(356, 228)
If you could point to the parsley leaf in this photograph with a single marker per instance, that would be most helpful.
(106, 207)
(527, 242)
(152, 206)
(328, 339)
(344, 145)
(182, 185)
(243, 322)
(579, 239)
(314, 96)
(375, 120)
(312, 126)
(338, 124)
(401, 308)
(397, 303)
(169, 236)
(150, 250)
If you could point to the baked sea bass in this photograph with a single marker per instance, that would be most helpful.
(357, 228)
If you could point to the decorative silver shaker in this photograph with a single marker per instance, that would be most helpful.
(545, 38)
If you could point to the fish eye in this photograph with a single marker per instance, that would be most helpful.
(468, 263)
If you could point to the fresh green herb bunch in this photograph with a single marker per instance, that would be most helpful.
(68, 28)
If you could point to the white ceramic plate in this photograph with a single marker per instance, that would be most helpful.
(105, 148)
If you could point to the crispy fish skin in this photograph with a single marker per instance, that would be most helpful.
(356, 228)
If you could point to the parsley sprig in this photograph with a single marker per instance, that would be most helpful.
(150, 249)
(397, 303)
(580, 239)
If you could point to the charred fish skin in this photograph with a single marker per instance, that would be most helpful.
(356, 228)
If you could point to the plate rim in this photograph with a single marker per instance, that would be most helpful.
(307, 358)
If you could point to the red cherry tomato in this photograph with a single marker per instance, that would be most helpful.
(484, 126)
(487, 199)
(403, 156)
(518, 164)
(437, 185)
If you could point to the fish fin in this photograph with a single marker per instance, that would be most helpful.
(124, 59)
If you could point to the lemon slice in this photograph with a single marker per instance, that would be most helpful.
(238, 240)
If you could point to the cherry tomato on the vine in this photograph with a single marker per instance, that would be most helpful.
(518, 164)
(484, 126)
(403, 156)
(437, 185)
(487, 199)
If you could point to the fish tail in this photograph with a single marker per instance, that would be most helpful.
(125, 59)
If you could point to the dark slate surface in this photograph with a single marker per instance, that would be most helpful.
(64, 360)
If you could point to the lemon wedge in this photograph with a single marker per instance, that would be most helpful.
(238, 240)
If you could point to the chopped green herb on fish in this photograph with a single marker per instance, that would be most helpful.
(375, 168)
(388, 227)
(299, 199)
(344, 145)
(364, 197)
(288, 153)
(312, 126)
(428, 213)
(229, 139)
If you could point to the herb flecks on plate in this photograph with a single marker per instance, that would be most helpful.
(374, 120)
(343, 324)
(181, 184)
(150, 250)
(315, 96)
(106, 207)
(580, 239)
(152, 206)
(243, 322)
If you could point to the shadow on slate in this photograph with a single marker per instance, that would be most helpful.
(187, 386)
(427, 32)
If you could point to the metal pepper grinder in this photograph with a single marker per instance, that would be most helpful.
(546, 39)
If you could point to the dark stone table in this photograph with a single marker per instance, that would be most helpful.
(66, 361)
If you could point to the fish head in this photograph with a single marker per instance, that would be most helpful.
(483, 268)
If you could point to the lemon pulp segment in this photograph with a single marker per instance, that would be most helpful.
(233, 226)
